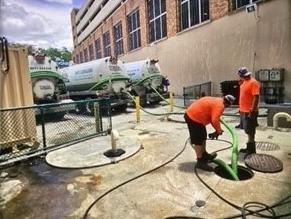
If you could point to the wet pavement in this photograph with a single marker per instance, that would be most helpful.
(156, 182)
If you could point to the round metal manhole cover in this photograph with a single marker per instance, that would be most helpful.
(267, 146)
(264, 163)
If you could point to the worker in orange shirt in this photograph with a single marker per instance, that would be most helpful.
(204, 111)
(248, 107)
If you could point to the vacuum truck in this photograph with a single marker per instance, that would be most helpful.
(102, 78)
(48, 85)
(146, 79)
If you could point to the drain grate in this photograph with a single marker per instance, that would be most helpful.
(264, 163)
(267, 146)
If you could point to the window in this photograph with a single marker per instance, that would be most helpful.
(133, 30)
(86, 55)
(157, 19)
(193, 12)
(106, 44)
(81, 57)
(98, 48)
(118, 41)
(241, 3)
(91, 52)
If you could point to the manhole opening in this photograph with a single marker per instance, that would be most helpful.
(243, 173)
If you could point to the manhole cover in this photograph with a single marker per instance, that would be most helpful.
(267, 146)
(264, 163)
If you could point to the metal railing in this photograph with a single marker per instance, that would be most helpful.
(195, 92)
(37, 129)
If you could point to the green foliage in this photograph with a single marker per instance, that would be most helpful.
(55, 54)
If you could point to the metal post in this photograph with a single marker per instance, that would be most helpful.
(43, 127)
(97, 117)
(137, 105)
(171, 101)
(184, 95)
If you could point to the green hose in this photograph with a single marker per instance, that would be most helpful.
(156, 114)
(233, 170)
(165, 99)
(234, 151)
(227, 168)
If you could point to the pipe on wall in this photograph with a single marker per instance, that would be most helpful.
(280, 115)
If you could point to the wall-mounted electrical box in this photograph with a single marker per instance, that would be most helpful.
(276, 74)
(263, 75)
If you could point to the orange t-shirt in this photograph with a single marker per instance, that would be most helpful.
(207, 110)
(248, 90)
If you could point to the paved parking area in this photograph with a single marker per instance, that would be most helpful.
(158, 181)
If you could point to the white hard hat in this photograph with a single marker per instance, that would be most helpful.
(229, 99)
(244, 72)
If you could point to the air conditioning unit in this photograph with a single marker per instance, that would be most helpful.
(251, 8)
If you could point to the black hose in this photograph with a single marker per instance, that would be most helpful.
(132, 179)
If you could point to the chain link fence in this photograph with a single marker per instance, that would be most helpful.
(35, 130)
(195, 92)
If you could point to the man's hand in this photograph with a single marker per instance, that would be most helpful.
(214, 135)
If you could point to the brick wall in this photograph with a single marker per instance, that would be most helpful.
(218, 8)
(171, 7)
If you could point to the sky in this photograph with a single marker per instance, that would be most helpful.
(42, 23)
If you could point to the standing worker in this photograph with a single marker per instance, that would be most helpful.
(248, 107)
(204, 111)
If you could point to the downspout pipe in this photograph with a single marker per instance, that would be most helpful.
(280, 115)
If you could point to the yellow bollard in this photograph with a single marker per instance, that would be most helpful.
(137, 105)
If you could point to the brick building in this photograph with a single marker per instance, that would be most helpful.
(195, 40)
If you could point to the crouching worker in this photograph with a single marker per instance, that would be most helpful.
(204, 111)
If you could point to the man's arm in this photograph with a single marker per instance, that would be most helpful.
(255, 103)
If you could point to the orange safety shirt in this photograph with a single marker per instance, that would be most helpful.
(248, 90)
(207, 110)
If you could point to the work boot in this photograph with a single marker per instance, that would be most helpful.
(202, 164)
(237, 126)
(251, 148)
(209, 157)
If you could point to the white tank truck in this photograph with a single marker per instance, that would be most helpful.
(146, 75)
(102, 78)
(48, 85)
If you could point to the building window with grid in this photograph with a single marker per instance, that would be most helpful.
(98, 48)
(241, 3)
(118, 41)
(193, 12)
(86, 55)
(106, 44)
(157, 19)
(81, 57)
(91, 52)
(133, 30)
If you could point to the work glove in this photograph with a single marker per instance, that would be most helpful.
(213, 135)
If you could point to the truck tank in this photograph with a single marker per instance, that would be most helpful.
(48, 85)
(146, 75)
(102, 78)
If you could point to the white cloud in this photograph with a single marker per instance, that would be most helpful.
(42, 27)
(61, 1)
